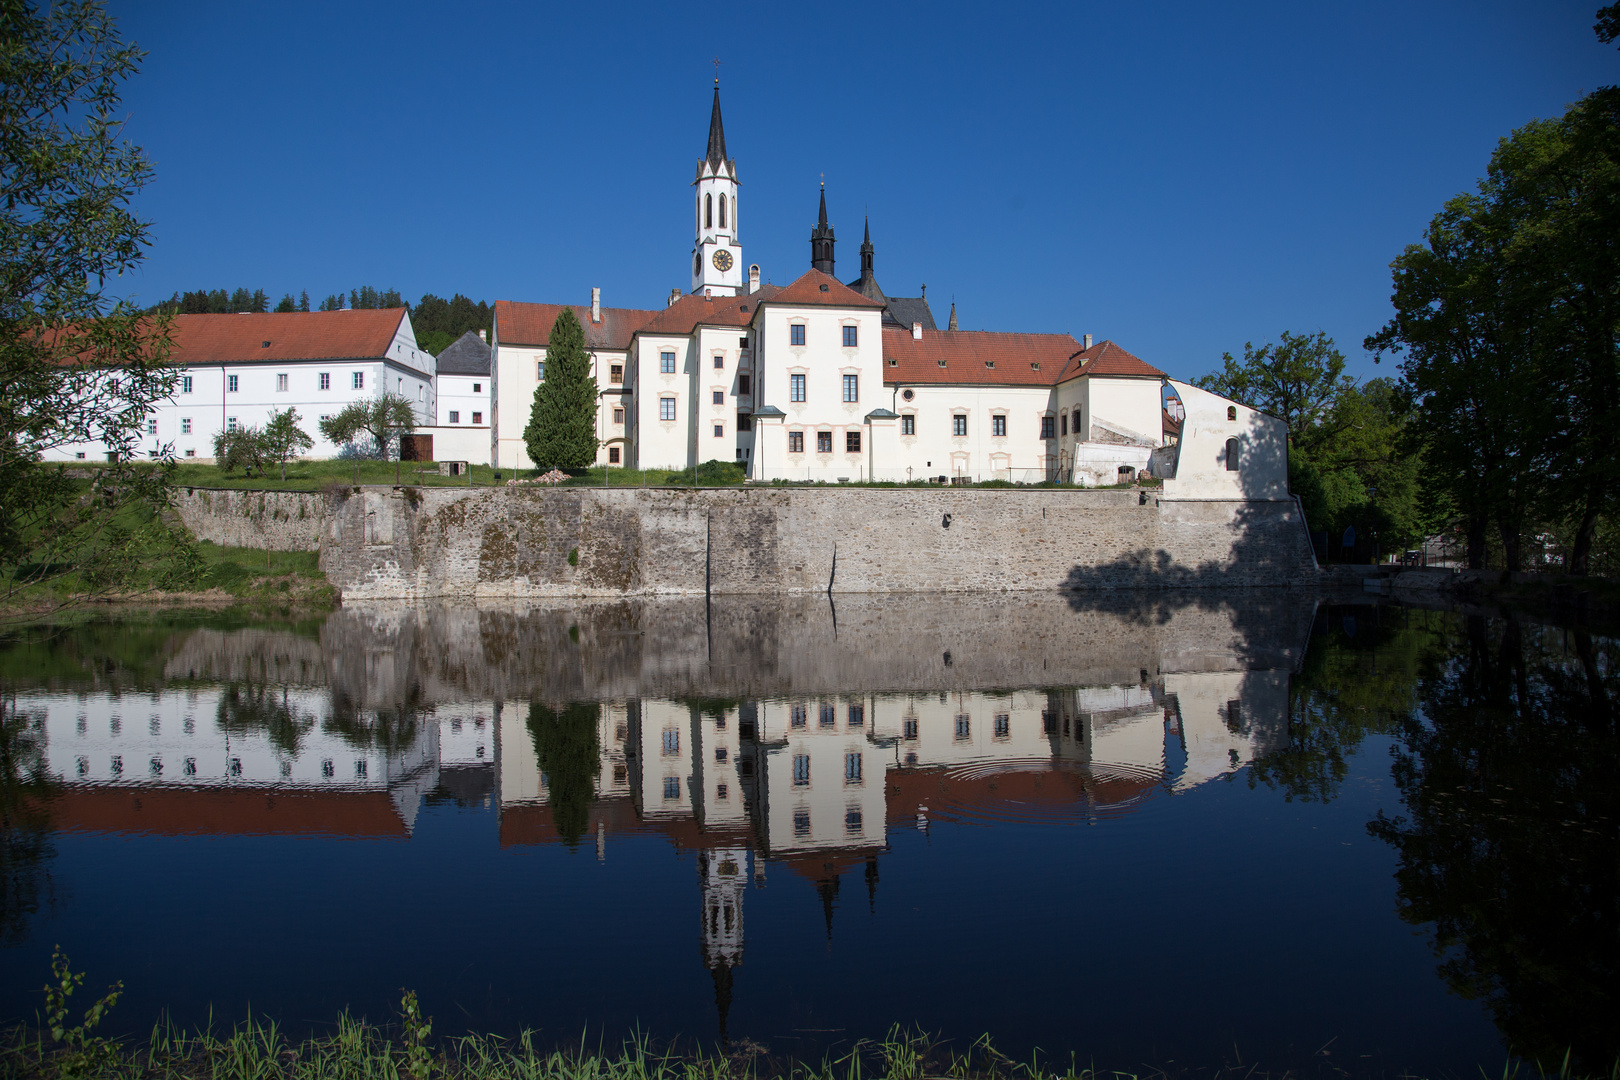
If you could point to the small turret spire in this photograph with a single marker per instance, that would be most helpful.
(821, 239)
(952, 324)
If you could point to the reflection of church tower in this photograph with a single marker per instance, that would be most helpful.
(724, 873)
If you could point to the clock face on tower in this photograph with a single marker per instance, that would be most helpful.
(722, 260)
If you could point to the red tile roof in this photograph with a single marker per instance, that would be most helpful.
(689, 312)
(977, 357)
(294, 335)
(821, 290)
(518, 323)
(174, 811)
(1106, 358)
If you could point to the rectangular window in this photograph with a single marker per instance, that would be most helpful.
(455, 416)
(478, 388)
(795, 442)
(230, 423)
(666, 362)
(1048, 428)
(672, 741)
(719, 431)
(1063, 423)
(613, 455)
(189, 453)
(823, 442)
(852, 384)
(1003, 725)
(151, 425)
(231, 384)
(796, 334)
(1049, 721)
(326, 380)
(852, 768)
(185, 384)
(719, 362)
(745, 422)
(998, 426)
(719, 397)
(281, 383)
(478, 418)
(672, 787)
(359, 380)
(795, 387)
(959, 425)
(796, 716)
(615, 374)
(801, 770)
(851, 336)
(185, 425)
(828, 716)
(908, 424)
(744, 385)
(421, 393)
(722, 792)
(964, 727)
(720, 754)
(857, 716)
(852, 442)
(618, 416)
(801, 823)
(540, 370)
(908, 729)
(666, 408)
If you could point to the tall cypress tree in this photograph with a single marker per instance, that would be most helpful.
(562, 424)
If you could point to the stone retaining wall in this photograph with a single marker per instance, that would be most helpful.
(536, 543)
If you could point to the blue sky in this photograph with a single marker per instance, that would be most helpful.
(1181, 178)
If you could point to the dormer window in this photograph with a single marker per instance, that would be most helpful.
(942, 363)
(990, 364)
(1034, 367)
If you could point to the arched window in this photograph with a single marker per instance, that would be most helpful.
(1233, 452)
(1231, 412)
(722, 211)
(697, 263)
(708, 211)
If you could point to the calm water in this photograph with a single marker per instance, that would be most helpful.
(1172, 831)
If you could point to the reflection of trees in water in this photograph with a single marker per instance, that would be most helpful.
(25, 823)
(246, 709)
(565, 742)
(1508, 845)
(1358, 678)
(392, 731)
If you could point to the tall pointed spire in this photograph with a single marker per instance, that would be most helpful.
(821, 239)
(952, 324)
(717, 133)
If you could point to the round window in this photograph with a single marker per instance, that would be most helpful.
(907, 394)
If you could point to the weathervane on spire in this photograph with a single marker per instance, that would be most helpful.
(716, 62)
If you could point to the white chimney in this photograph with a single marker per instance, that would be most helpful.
(1085, 342)
(753, 279)
(483, 335)
(596, 305)
(674, 297)
(916, 331)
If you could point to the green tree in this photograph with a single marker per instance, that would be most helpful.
(303, 301)
(566, 746)
(1607, 27)
(287, 304)
(76, 366)
(240, 448)
(384, 419)
(283, 438)
(333, 303)
(562, 422)
(1298, 380)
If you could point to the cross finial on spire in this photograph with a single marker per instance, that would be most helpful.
(717, 62)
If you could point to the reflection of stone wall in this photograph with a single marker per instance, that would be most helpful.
(250, 655)
(742, 647)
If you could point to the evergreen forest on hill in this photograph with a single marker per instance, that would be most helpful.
(437, 321)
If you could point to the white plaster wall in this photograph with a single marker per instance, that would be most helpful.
(466, 394)
(665, 444)
(515, 376)
(1201, 461)
(1133, 403)
(823, 361)
(836, 813)
(1021, 455)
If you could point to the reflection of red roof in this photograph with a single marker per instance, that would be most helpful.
(534, 823)
(226, 812)
(1046, 793)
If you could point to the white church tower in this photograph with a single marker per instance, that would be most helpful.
(717, 265)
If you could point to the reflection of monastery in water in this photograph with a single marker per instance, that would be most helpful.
(769, 765)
